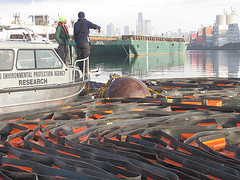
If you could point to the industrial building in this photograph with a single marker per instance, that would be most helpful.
(224, 31)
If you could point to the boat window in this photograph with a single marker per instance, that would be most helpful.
(47, 59)
(25, 59)
(6, 59)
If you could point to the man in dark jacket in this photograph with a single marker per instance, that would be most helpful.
(81, 32)
(62, 37)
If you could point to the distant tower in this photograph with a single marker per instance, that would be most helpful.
(140, 24)
(110, 30)
(118, 32)
(147, 27)
(126, 30)
(179, 31)
(231, 17)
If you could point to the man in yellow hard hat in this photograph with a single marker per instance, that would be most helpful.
(62, 37)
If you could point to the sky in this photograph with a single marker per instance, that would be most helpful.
(165, 15)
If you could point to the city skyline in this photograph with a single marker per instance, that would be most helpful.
(172, 15)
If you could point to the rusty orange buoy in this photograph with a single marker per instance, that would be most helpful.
(127, 87)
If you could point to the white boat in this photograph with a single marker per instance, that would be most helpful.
(32, 76)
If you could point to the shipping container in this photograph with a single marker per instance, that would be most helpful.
(200, 40)
(193, 36)
(199, 33)
(207, 30)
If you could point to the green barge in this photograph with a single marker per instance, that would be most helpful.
(131, 45)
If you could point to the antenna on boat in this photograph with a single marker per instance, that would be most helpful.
(33, 12)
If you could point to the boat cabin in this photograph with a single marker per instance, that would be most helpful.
(30, 64)
(32, 76)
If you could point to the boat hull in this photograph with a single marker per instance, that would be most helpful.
(15, 100)
(129, 45)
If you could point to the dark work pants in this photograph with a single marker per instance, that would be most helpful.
(83, 51)
(64, 53)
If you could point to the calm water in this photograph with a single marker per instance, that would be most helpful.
(194, 63)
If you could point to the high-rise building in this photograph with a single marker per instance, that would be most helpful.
(126, 30)
(110, 30)
(140, 24)
(118, 32)
(233, 33)
(147, 27)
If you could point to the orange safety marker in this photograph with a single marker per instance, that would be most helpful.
(136, 136)
(60, 177)
(204, 124)
(121, 167)
(60, 134)
(186, 136)
(201, 109)
(138, 109)
(153, 160)
(37, 142)
(43, 126)
(37, 134)
(17, 142)
(68, 146)
(216, 144)
(194, 143)
(82, 138)
(222, 84)
(63, 152)
(34, 150)
(54, 166)
(192, 103)
(66, 107)
(53, 140)
(229, 154)
(77, 130)
(120, 175)
(213, 177)
(182, 150)
(214, 103)
(29, 126)
(99, 103)
(14, 131)
(110, 111)
(172, 162)
(15, 119)
(147, 135)
(21, 167)
(114, 138)
(166, 140)
(11, 156)
(97, 116)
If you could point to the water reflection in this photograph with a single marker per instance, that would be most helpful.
(214, 63)
(192, 64)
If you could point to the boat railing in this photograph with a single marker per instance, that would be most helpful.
(85, 68)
